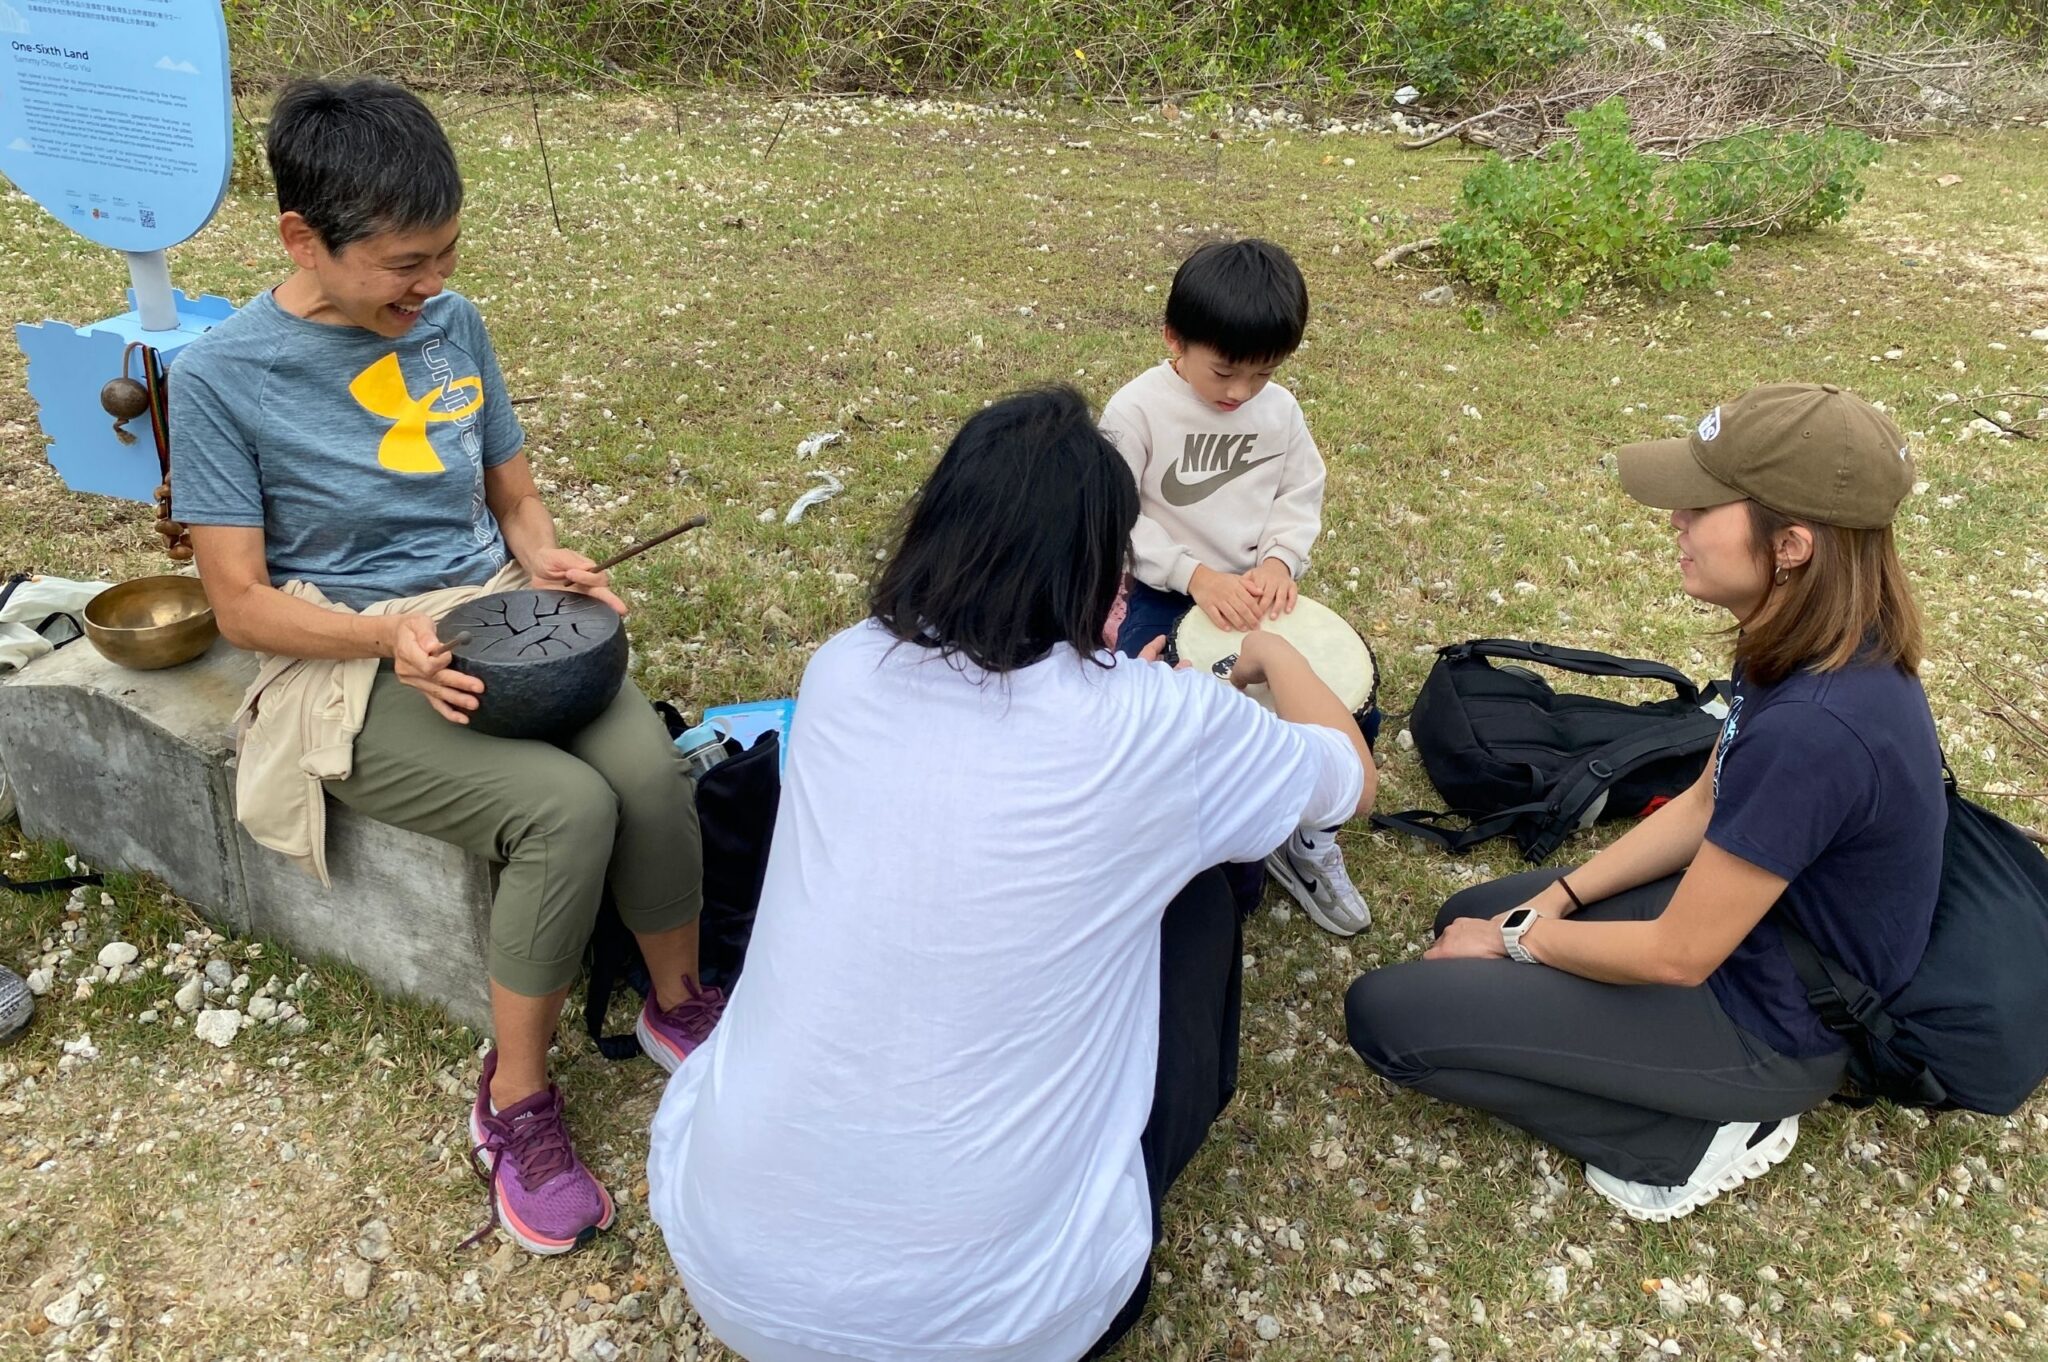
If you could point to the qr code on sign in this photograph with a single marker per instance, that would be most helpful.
(146, 216)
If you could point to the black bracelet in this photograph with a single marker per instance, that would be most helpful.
(1578, 903)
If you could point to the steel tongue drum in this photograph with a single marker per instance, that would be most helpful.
(550, 661)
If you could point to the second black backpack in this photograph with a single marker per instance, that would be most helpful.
(1513, 756)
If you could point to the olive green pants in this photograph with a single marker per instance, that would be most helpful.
(611, 804)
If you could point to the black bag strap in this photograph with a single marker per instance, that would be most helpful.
(1853, 1010)
(65, 883)
(671, 718)
(1678, 736)
(1427, 824)
(1581, 660)
(1558, 816)
(614, 958)
(14, 580)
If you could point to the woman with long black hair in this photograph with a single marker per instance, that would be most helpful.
(991, 1001)
(1640, 1010)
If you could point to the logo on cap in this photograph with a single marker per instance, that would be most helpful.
(1710, 424)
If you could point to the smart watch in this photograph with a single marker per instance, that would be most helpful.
(1511, 928)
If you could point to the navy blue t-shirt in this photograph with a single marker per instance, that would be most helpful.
(1833, 781)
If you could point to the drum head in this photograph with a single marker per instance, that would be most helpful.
(1332, 647)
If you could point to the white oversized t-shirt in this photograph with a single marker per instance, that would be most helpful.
(915, 1132)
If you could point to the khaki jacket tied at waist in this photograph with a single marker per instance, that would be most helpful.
(298, 722)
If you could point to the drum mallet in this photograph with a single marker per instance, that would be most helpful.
(608, 564)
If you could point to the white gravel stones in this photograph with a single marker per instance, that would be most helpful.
(219, 973)
(591, 1343)
(190, 994)
(217, 1026)
(355, 1278)
(64, 1311)
(1670, 1302)
(116, 954)
(373, 1242)
(40, 981)
(262, 1007)
(1557, 1283)
(1268, 1328)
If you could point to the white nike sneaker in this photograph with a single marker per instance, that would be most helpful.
(1310, 866)
(1740, 1151)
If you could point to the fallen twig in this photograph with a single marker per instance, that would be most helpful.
(2002, 426)
(788, 112)
(1404, 250)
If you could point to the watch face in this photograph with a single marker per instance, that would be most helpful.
(1515, 921)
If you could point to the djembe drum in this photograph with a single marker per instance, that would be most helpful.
(1333, 649)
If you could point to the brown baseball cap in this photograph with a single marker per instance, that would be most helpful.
(1808, 450)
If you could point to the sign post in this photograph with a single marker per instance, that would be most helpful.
(116, 117)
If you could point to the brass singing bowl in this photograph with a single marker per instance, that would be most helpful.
(151, 622)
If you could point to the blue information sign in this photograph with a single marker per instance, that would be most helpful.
(114, 114)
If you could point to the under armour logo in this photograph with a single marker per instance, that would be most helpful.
(381, 391)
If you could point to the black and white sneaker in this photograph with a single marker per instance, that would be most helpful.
(1310, 866)
(17, 1005)
(1740, 1151)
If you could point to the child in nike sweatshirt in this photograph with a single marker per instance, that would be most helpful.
(1230, 486)
(1230, 493)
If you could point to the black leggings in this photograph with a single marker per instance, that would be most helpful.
(1201, 980)
(1633, 1079)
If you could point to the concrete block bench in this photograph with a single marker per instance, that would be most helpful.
(134, 771)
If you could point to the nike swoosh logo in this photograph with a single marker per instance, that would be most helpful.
(1178, 493)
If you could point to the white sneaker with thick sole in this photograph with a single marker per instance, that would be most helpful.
(1310, 866)
(1739, 1151)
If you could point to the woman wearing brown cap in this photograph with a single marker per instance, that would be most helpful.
(1639, 1011)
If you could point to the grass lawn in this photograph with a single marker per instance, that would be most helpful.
(732, 277)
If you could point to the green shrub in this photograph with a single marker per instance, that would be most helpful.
(1593, 212)
(249, 167)
(1023, 46)
(1759, 183)
(1449, 47)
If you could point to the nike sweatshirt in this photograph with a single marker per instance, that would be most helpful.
(1225, 489)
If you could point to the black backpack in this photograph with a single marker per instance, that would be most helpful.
(736, 802)
(1970, 1028)
(1513, 756)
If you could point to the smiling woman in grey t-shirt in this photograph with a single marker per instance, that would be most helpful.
(349, 431)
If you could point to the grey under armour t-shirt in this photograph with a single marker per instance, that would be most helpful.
(361, 457)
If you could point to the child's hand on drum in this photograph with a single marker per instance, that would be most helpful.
(1273, 586)
(1224, 598)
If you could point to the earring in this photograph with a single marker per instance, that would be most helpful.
(1781, 576)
